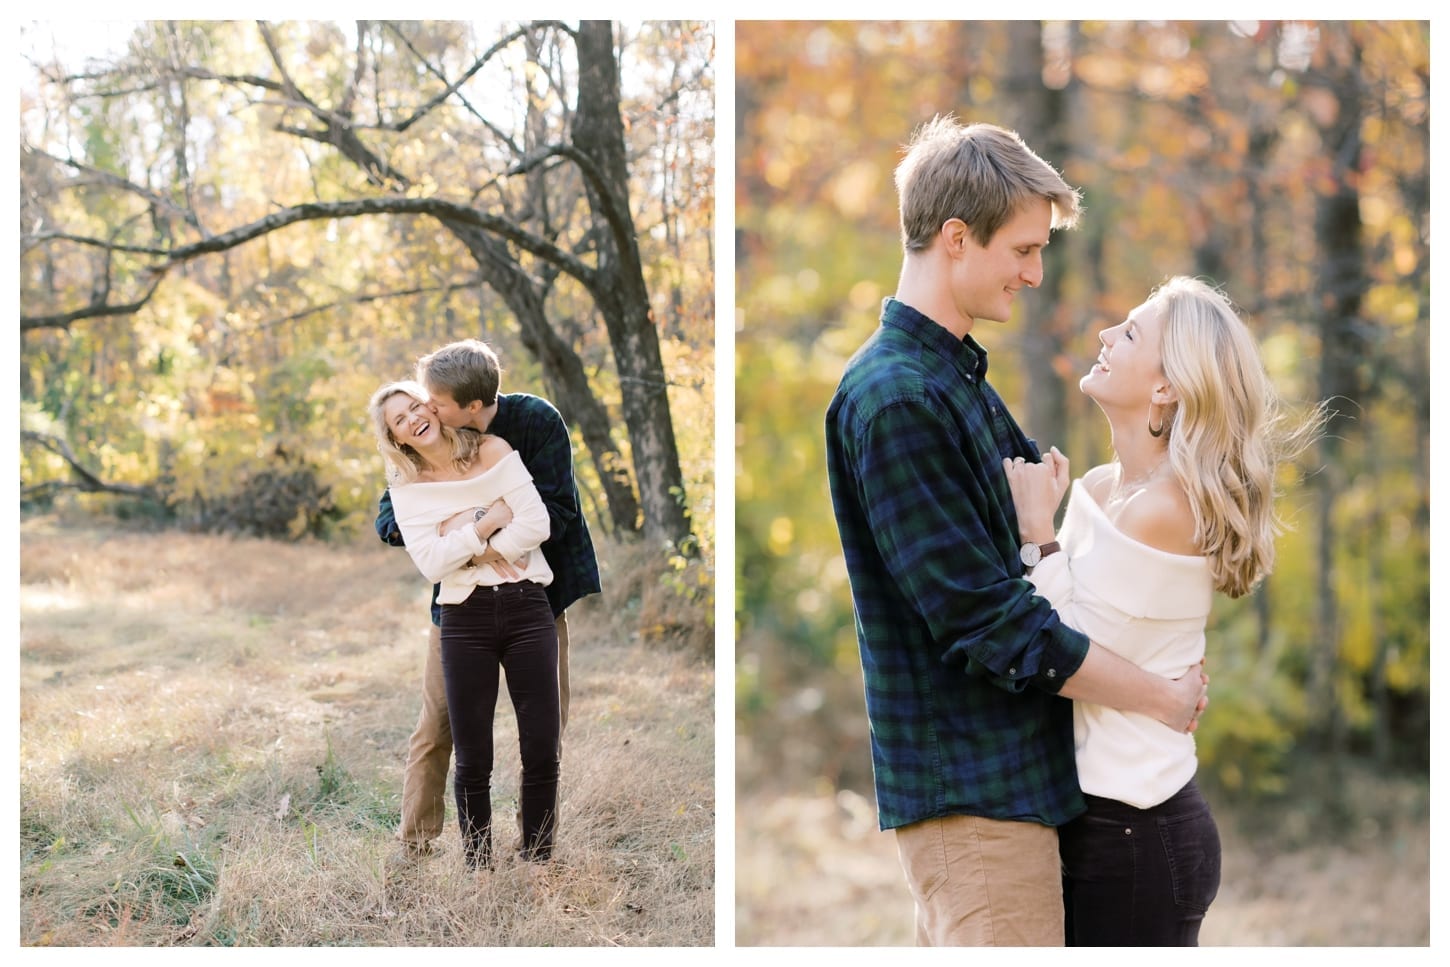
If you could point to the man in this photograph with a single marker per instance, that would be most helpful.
(972, 745)
(462, 380)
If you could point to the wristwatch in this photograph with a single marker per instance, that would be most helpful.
(1032, 554)
(479, 514)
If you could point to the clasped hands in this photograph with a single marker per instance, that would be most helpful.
(1037, 490)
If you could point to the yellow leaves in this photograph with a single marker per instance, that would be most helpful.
(781, 536)
(854, 189)
(1135, 157)
(866, 296)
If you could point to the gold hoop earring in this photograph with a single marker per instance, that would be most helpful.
(1162, 426)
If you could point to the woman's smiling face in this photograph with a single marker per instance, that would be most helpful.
(1130, 363)
(411, 422)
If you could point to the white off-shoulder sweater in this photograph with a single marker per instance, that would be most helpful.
(1147, 606)
(421, 507)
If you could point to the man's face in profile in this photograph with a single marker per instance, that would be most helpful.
(448, 412)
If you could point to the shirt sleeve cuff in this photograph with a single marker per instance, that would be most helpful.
(1062, 658)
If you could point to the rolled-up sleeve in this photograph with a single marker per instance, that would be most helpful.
(925, 501)
(386, 524)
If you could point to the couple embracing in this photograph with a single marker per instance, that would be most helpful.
(481, 492)
(1032, 692)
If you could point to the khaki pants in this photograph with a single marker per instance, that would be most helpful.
(983, 882)
(425, 776)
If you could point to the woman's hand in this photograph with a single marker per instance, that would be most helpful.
(494, 519)
(461, 519)
(1037, 490)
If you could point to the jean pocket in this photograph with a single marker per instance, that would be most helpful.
(1099, 848)
(1195, 858)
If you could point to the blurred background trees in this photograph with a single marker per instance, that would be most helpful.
(1287, 162)
(232, 232)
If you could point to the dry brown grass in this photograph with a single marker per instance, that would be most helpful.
(812, 869)
(212, 735)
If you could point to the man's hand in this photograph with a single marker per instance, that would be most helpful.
(509, 569)
(1190, 698)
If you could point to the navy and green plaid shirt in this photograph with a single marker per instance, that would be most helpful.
(534, 428)
(962, 662)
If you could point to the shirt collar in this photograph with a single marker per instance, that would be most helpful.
(966, 354)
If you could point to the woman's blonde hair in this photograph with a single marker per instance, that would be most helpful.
(1227, 432)
(403, 462)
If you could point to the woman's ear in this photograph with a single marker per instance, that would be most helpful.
(1164, 395)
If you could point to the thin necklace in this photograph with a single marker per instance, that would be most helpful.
(1123, 488)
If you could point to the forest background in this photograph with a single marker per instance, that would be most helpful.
(231, 233)
(1287, 162)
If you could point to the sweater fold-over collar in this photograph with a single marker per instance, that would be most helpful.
(1137, 579)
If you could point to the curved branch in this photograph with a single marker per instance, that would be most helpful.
(388, 205)
(444, 211)
(88, 481)
(30, 241)
(98, 308)
(620, 224)
(358, 300)
(152, 198)
(451, 88)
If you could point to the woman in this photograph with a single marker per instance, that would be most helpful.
(457, 493)
(1184, 509)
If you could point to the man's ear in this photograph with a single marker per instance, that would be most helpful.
(954, 235)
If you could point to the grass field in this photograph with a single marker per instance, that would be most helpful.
(812, 869)
(212, 735)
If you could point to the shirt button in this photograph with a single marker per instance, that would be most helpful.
(1052, 673)
(1011, 671)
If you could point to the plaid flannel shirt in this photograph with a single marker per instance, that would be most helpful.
(962, 661)
(534, 428)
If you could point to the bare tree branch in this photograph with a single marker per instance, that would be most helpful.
(155, 199)
(364, 299)
(452, 87)
(438, 208)
(620, 224)
(30, 241)
(98, 308)
(87, 481)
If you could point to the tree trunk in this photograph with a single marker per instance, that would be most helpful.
(623, 299)
(1043, 120)
(563, 371)
(1339, 287)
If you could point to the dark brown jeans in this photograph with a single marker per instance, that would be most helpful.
(1139, 877)
(508, 629)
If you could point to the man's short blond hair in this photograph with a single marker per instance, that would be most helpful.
(466, 370)
(979, 173)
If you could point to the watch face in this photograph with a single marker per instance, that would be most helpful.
(1031, 554)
